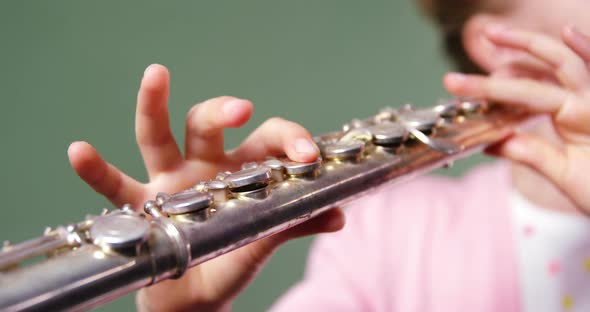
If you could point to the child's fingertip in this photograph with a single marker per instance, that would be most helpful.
(574, 32)
(568, 30)
(155, 78)
(578, 41)
(454, 81)
(152, 68)
(336, 223)
(237, 111)
(75, 147)
(513, 148)
(456, 78)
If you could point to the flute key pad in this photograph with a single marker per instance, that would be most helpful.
(389, 134)
(345, 150)
(277, 169)
(246, 178)
(219, 190)
(422, 120)
(447, 109)
(187, 202)
(299, 169)
(119, 230)
(472, 106)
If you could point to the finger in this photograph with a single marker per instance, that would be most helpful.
(536, 97)
(103, 177)
(330, 221)
(205, 123)
(569, 67)
(152, 127)
(277, 136)
(578, 42)
(538, 154)
(527, 67)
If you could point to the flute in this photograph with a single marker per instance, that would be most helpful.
(92, 262)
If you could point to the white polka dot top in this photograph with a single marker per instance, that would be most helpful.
(553, 258)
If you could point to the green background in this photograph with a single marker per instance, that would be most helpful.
(70, 71)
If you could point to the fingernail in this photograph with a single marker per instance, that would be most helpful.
(231, 107)
(576, 34)
(305, 146)
(75, 146)
(572, 30)
(456, 77)
(578, 41)
(71, 148)
(147, 69)
(495, 29)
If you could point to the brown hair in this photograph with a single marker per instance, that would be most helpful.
(451, 16)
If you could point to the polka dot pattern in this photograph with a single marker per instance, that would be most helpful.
(553, 258)
(553, 267)
(528, 230)
(567, 302)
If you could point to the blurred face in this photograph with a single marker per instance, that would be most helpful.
(550, 16)
(545, 16)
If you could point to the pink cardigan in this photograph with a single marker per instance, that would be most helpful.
(433, 244)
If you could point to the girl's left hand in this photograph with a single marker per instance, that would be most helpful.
(563, 92)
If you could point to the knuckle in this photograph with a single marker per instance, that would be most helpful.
(201, 119)
(212, 103)
(488, 86)
(574, 114)
(154, 138)
(111, 190)
(285, 126)
(221, 99)
(275, 122)
(206, 106)
(192, 113)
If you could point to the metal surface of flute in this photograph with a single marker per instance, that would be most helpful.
(104, 257)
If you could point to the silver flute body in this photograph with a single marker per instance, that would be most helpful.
(92, 262)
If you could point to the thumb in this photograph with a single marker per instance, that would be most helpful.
(243, 264)
(535, 153)
(332, 220)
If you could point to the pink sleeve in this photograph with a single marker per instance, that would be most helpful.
(338, 270)
(434, 244)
